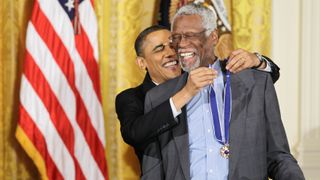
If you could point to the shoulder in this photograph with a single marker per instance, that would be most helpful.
(169, 87)
(130, 94)
(129, 100)
(253, 73)
(254, 77)
(164, 91)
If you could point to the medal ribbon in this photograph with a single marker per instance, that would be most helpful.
(227, 109)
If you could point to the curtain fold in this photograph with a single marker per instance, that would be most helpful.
(14, 163)
(119, 24)
(251, 25)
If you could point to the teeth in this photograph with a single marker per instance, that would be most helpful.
(186, 55)
(171, 63)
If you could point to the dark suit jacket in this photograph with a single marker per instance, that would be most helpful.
(258, 143)
(142, 131)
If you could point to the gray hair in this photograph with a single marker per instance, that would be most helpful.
(209, 17)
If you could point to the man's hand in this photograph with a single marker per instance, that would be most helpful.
(241, 59)
(198, 78)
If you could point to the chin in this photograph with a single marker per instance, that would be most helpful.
(171, 75)
(191, 66)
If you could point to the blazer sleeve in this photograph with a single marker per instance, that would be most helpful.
(137, 128)
(275, 70)
(281, 164)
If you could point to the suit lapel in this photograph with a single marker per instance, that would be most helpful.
(163, 92)
(147, 84)
(155, 97)
(180, 133)
(181, 139)
(240, 91)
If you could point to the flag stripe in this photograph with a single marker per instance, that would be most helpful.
(53, 75)
(95, 145)
(60, 91)
(83, 82)
(88, 106)
(57, 114)
(37, 139)
(87, 42)
(90, 26)
(86, 53)
(38, 113)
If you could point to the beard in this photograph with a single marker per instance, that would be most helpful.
(188, 67)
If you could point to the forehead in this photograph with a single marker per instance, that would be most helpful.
(187, 23)
(157, 37)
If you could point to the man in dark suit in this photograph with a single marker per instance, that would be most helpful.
(230, 129)
(141, 130)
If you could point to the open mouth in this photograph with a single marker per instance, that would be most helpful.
(187, 58)
(170, 64)
(187, 55)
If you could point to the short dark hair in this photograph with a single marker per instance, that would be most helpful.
(142, 36)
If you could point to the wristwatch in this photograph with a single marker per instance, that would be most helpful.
(261, 59)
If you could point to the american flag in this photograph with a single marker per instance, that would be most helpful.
(61, 124)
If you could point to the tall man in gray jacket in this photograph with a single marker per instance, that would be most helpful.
(230, 129)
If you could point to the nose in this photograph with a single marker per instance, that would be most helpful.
(184, 42)
(170, 51)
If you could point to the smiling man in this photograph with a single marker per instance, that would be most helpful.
(230, 128)
(140, 130)
(154, 54)
(193, 41)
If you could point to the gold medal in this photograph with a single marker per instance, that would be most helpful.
(224, 151)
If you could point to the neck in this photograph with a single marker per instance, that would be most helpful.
(208, 61)
(156, 82)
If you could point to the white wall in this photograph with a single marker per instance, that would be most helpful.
(296, 49)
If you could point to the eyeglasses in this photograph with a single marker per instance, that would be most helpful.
(176, 38)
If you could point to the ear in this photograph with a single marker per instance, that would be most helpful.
(141, 62)
(214, 36)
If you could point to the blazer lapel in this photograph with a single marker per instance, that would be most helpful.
(181, 139)
(180, 133)
(240, 91)
(163, 92)
(155, 97)
(147, 84)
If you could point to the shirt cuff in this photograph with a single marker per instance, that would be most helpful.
(175, 112)
(268, 66)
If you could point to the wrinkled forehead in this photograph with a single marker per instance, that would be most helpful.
(187, 23)
(156, 38)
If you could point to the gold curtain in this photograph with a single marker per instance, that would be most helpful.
(119, 23)
(14, 163)
(251, 24)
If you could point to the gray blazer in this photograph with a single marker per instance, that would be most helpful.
(258, 144)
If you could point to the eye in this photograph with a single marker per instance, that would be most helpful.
(190, 35)
(159, 48)
(175, 37)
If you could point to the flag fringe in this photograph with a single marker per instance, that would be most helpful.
(32, 152)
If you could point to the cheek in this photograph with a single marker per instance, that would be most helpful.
(198, 45)
(201, 49)
(155, 62)
(208, 48)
